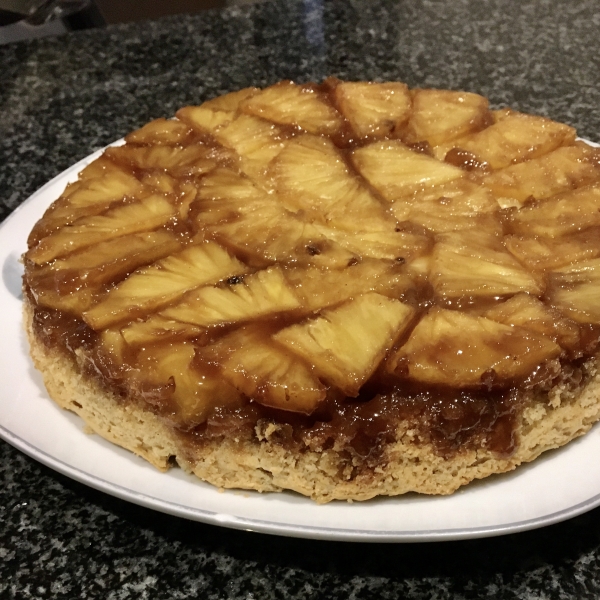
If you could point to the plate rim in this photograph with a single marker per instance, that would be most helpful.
(286, 530)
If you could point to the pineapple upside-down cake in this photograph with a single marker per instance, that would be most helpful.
(348, 289)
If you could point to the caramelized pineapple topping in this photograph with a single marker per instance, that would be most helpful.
(302, 246)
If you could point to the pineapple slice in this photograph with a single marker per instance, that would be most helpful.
(226, 186)
(162, 182)
(373, 109)
(461, 350)
(286, 103)
(248, 135)
(263, 370)
(161, 132)
(327, 192)
(262, 294)
(575, 290)
(559, 171)
(390, 244)
(231, 205)
(256, 141)
(157, 329)
(130, 252)
(195, 391)
(69, 284)
(471, 263)
(560, 215)
(232, 101)
(85, 199)
(530, 313)
(188, 191)
(148, 214)
(213, 114)
(470, 197)
(319, 288)
(75, 302)
(396, 172)
(419, 268)
(178, 161)
(99, 168)
(112, 185)
(185, 191)
(114, 355)
(440, 116)
(443, 216)
(512, 139)
(205, 119)
(346, 344)
(463, 205)
(153, 287)
(282, 238)
(542, 254)
(463, 197)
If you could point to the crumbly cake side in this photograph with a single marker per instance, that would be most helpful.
(139, 431)
(264, 465)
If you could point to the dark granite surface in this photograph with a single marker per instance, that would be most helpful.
(62, 98)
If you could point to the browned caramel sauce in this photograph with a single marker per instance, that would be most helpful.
(448, 418)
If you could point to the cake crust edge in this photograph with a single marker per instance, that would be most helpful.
(264, 465)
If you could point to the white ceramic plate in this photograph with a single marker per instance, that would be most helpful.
(558, 486)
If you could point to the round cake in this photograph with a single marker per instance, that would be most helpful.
(346, 289)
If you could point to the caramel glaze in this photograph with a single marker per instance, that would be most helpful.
(466, 160)
(448, 418)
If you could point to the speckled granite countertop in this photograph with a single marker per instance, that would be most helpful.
(62, 98)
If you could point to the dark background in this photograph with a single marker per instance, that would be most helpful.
(61, 98)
